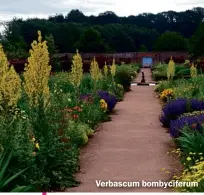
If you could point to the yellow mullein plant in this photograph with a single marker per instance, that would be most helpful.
(95, 72)
(77, 69)
(37, 72)
(171, 69)
(10, 82)
(193, 71)
(105, 69)
(113, 68)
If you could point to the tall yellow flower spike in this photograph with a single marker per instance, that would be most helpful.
(100, 76)
(37, 73)
(4, 64)
(193, 71)
(171, 69)
(113, 68)
(10, 82)
(105, 69)
(77, 69)
(94, 70)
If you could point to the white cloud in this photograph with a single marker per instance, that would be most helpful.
(44, 8)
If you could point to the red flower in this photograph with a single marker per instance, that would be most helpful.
(194, 125)
(75, 116)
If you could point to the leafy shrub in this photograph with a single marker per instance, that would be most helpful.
(159, 71)
(61, 81)
(123, 77)
(162, 85)
(52, 162)
(190, 141)
(118, 91)
(87, 84)
(92, 114)
(6, 179)
(181, 71)
(79, 133)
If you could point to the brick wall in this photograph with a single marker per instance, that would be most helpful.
(135, 57)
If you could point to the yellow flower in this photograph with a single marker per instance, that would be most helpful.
(189, 158)
(10, 82)
(37, 73)
(105, 70)
(171, 69)
(113, 68)
(94, 70)
(102, 101)
(37, 146)
(77, 69)
(103, 104)
(165, 93)
(193, 71)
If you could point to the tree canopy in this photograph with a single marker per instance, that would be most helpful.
(171, 41)
(108, 32)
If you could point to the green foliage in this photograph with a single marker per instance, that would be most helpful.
(87, 84)
(92, 114)
(9, 180)
(196, 41)
(171, 41)
(190, 141)
(61, 81)
(120, 34)
(123, 76)
(79, 133)
(51, 44)
(91, 40)
(159, 71)
(143, 48)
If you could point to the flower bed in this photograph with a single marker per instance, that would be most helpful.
(175, 108)
(47, 119)
(183, 114)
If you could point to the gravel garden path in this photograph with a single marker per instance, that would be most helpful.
(131, 147)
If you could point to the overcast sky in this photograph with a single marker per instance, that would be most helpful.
(44, 8)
